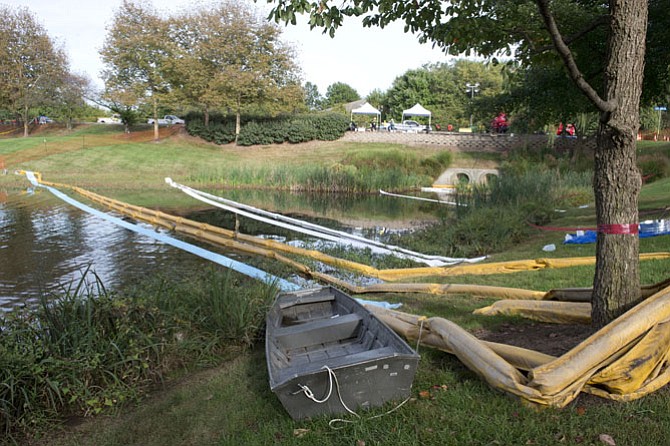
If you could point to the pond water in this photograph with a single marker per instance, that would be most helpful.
(46, 244)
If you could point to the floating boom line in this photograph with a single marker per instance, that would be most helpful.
(431, 200)
(219, 259)
(272, 249)
(318, 231)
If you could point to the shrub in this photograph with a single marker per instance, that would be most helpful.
(255, 133)
(496, 215)
(653, 167)
(257, 130)
(445, 158)
(300, 131)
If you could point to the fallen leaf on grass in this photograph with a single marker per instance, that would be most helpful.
(580, 410)
(424, 394)
(299, 433)
(606, 439)
(360, 443)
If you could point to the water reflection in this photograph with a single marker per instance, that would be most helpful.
(349, 210)
(46, 244)
(372, 216)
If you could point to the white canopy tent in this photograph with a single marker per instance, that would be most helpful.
(367, 109)
(417, 110)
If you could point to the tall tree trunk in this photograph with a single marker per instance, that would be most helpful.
(238, 119)
(206, 116)
(155, 111)
(26, 123)
(617, 182)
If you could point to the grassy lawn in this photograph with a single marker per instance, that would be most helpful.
(92, 155)
(232, 404)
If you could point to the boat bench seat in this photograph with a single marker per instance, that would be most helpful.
(356, 358)
(365, 357)
(317, 332)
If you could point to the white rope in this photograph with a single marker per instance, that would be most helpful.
(432, 200)
(333, 377)
(418, 339)
(317, 230)
(309, 394)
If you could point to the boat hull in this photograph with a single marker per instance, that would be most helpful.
(327, 354)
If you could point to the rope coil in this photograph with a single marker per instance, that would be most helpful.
(333, 377)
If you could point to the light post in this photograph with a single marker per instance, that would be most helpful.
(659, 109)
(472, 89)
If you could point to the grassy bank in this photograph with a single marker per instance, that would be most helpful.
(90, 350)
(94, 158)
(230, 403)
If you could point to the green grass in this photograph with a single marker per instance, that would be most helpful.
(97, 158)
(232, 404)
(655, 196)
(87, 350)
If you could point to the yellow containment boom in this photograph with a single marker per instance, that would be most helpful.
(625, 360)
(255, 245)
(574, 306)
(543, 311)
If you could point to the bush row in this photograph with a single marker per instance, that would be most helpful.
(264, 130)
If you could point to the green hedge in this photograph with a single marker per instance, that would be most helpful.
(256, 130)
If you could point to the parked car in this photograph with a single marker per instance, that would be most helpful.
(44, 120)
(114, 119)
(412, 127)
(167, 120)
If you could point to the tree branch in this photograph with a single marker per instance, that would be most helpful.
(569, 61)
(595, 23)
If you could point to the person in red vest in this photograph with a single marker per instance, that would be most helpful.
(499, 123)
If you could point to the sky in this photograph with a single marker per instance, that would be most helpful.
(364, 58)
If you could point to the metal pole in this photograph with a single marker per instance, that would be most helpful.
(472, 89)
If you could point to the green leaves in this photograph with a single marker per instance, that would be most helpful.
(32, 68)
(258, 131)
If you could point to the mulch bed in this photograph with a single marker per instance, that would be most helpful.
(551, 339)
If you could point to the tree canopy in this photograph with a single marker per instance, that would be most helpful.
(540, 33)
(135, 55)
(441, 88)
(32, 68)
(340, 93)
(214, 57)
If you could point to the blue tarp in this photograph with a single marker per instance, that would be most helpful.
(651, 228)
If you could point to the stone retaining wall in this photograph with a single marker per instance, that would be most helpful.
(472, 141)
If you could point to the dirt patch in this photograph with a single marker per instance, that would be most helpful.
(551, 339)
